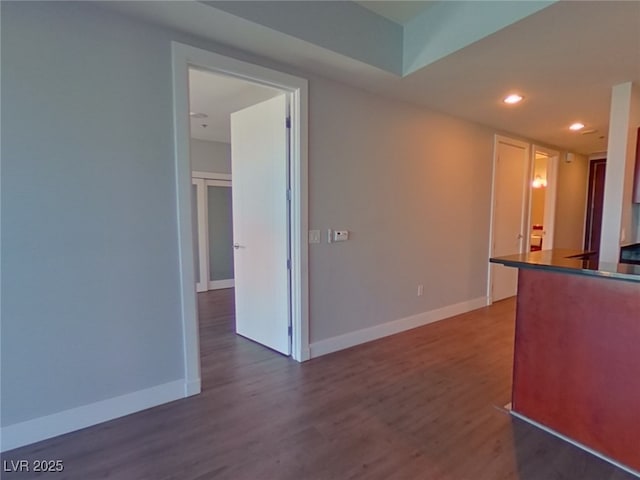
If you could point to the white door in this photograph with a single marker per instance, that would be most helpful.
(259, 162)
(511, 169)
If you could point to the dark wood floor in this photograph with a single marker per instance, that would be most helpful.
(424, 404)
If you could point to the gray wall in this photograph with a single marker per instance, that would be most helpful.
(89, 253)
(90, 292)
(212, 157)
(571, 202)
(414, 188)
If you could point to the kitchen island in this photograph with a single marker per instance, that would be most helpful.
(577, 351)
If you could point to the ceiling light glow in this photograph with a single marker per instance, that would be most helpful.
(576, 126)
(513, 99)
(539, 182)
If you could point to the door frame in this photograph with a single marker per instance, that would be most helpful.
(594, 164)
(185, 56)
(553, 159)
(202, 180)
(203, 252)
(524, 221)
(215, 284)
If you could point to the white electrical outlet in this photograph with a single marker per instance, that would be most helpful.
(420, 290)
(314, 236)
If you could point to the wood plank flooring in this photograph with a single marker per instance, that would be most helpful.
(423, 404)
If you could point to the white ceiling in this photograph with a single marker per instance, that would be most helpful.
(399, 11)
(217, 97)
(564, 59)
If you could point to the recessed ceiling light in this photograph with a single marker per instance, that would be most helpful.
(576, 126)
(513, 99)
(198, 115)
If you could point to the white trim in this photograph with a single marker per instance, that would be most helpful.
(41, 428)
(300, 350)
(218, 183)
(192, 388)
(220, 284)
(211, 175)
(203, 234)
(214, 180)
(577, 444)
(553, 158)
(551, 199)
(358, 337)
(182, 138)
(184, 56)
(597, 156)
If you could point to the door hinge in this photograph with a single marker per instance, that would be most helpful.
(288, 264)
(290, 331)
(287, 122)
(289, 194)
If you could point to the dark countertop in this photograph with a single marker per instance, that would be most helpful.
(571, 261)
(630, 253)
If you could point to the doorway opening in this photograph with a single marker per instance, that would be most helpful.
(212, 227)
(213, 98)
(294, 90)
(595, 202)
(542, 199)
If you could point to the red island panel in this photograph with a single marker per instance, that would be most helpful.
(577, 359)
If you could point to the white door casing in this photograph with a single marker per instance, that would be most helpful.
(200, 231)
(259, 153)
(184, 57)
(219, 236)
(202, 181)
(550, 194)
(550, 202)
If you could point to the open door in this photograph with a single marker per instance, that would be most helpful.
(259, 162)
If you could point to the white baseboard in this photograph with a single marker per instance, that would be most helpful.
(42, 428)
(220, 284)
(351, 339)
(577, 444)
(192, 387)
(306, 354)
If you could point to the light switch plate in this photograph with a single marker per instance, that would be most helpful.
(314, 236)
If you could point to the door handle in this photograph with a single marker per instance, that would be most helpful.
(520, 236)
(237, 246)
